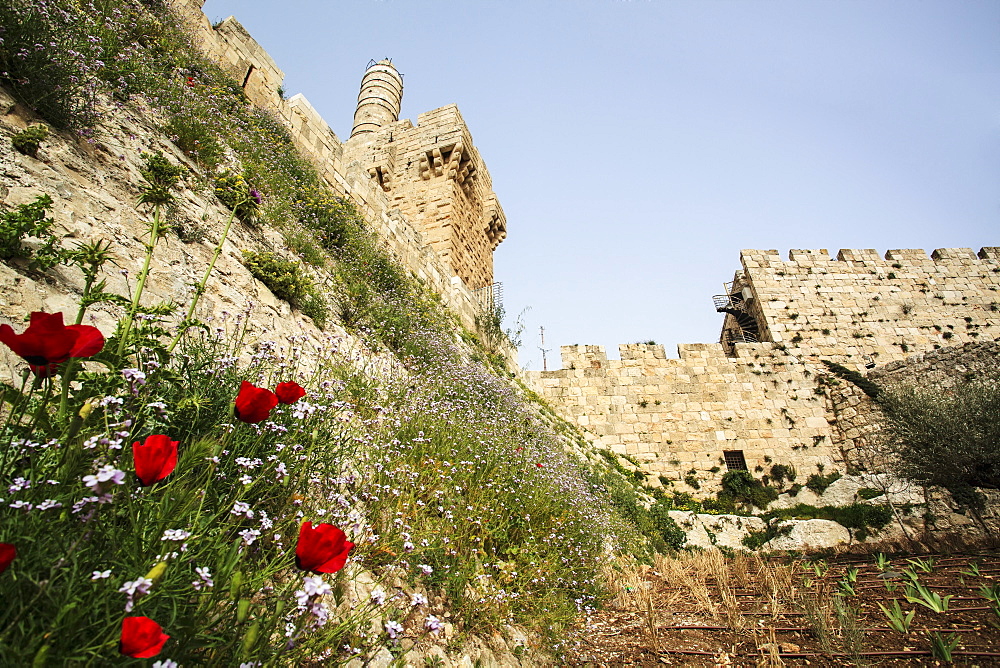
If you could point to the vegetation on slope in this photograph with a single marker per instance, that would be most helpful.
(438, 472)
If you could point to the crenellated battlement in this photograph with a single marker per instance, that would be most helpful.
(682, 416)
(864, 307)
(812, 257)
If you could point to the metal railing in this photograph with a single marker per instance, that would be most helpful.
(490, 297)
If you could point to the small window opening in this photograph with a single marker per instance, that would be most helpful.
(246, 79)
(735, 461)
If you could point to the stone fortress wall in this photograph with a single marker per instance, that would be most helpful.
(424, 188)
(767, 400)
(862, 307)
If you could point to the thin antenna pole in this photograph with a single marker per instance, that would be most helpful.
(545, 364)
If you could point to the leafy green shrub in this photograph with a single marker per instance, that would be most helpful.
(29, 140)
(742, 487)
(29, 220)
(868, 493)
(755, 539)
(672, 535)
(723, 504)
(861, 518)
(818, 482)
(196, 139)
(782, 472)
(946, 436)
(242, 198)
(288, 281)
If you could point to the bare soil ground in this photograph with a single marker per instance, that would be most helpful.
(705, 609)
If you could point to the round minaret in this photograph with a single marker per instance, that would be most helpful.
(380, 98)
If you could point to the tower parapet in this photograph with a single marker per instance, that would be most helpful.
(380, 98)
(434, 175)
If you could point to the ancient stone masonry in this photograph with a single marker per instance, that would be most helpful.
(436, 178)
(424, 188)
(757, 398)
(695, 417)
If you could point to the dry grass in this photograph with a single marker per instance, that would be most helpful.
(625, 580)
(720, 570)
(770, 652)
(777, 583)
(688, 573)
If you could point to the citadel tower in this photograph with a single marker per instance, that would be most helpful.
(430, 172)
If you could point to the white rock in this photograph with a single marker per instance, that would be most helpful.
(382, 659)
(708, 531)
(808, 535)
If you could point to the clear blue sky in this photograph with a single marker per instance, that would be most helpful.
(637, 146)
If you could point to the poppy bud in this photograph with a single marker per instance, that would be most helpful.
(156, 572)
(242, 610)
(87, 409)
(235, 584)
(41, 657)
(250, 639)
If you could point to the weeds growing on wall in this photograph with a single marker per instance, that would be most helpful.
(30, 221)
(288, 281)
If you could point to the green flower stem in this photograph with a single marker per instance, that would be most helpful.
(200, 289)
(87, 287)
(222, 445)
(8, 445)
(154, 233)
(68, 374)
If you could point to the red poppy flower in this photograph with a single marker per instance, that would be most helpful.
(141, 638)
(47, 342)
(540, 465)
(321, 549)
(289, 393)
(155, 459)
(7, 554)
(254, 404)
